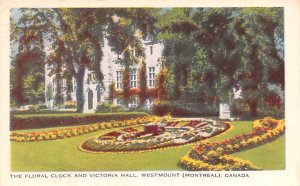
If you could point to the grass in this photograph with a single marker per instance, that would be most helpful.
(270, 156)
(63, 155)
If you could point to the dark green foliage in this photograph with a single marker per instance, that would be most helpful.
(109, 107)
(58, 120)
(36, 108)
(183, 110)
(142, 84)
(112, 91)
(27, 66)
(211, 50)
(161, 86)
(126, 84)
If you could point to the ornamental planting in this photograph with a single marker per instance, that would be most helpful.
(155, 135)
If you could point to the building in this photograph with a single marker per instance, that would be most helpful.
(112, 71)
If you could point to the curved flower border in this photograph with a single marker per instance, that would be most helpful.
(80, 130)
(214, 156)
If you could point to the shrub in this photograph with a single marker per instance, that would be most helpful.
(109, 107)
(139, 109)
(50, 120)
(108, 125)
(117, 108)
(33, 108)
(70, 104)
(181, 109)
(41, 106)
(103, 107)
(36, 108)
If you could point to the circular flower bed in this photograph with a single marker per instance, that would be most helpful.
(155, 135)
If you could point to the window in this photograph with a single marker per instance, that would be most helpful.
(133, 78)
(151, 76)
(74, 85)
(133, 103)
(119, 79)
(63, 84)
(151, 50)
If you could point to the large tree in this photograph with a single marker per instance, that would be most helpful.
(176, 26)
(232, 46)
(126, 31)
(73, 38)
(201, 50)
(27, 63)
(261, 30)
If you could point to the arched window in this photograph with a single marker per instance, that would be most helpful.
(90, 99)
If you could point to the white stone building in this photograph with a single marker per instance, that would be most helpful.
(112, 71)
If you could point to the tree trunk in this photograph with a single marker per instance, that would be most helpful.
(253, 108)
(79, 92)
(69, 87)
(19, 87)
(126, 85)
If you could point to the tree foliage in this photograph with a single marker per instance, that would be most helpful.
(74, 38)
(27, 65)
(112, 91)
(230, 47)
(142, 83)
(206, 50)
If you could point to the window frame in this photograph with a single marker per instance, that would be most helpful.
(133, 78)
(151, 77)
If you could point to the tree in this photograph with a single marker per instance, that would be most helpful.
(201, 39)
(112, 91)
(261, 29)
(231, 46)
(27, 67)
(161, 85)
(222, 48)
(126, 84)
(49, 92)
(126, 31)
(142, 83)
(74, 38)
(176, 26)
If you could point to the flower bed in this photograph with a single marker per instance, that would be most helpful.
(215, 155)
(75, 131)
(130, 129)
(154, 136)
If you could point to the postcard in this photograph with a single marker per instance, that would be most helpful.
(148, 92)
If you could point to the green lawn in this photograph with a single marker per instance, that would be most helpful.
(63, 155)
(270, 156)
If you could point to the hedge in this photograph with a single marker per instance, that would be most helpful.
(30, 121)
(179, 110)
(56, 134)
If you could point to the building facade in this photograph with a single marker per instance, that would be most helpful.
(95, 94)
